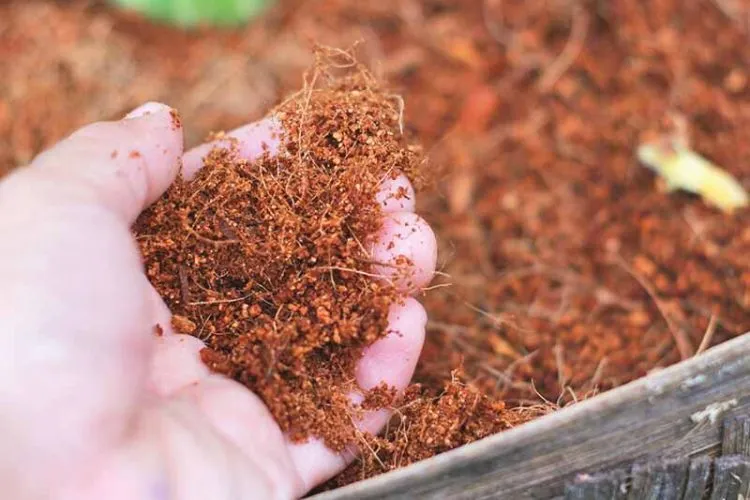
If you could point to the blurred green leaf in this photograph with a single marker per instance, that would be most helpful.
(198, 12)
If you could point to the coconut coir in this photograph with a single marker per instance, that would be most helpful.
(267, 260)
(539, 179)
(427, 422)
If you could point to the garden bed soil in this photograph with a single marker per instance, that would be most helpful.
(564, 270)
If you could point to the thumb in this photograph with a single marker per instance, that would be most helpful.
(75, 309)
(122, 165)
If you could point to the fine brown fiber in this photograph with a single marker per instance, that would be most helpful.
(267, 262)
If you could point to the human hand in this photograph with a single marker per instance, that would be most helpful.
(92, 403)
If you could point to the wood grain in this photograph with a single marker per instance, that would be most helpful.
(659, 480)
(731, 478)
(698, 476)
(676, 412)
(736, 438)
(605, 485)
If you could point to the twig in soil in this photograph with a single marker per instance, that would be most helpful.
(184, 284)
(220, 301)
(359, 243)
(401, 108)
(435, 287)
(355, 271)
(708, 336)
(732, 326)
(681, 339)
(569, 53)
(598, 373)
(572, 393)
(363, 439)
(199, 335)
(534, 410)
(497, 320)
(560, 364)
(206, 239)
(539, 394)
(506, 376)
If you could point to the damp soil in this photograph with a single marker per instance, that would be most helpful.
(564, 269)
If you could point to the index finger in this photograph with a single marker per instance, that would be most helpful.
(251, 140)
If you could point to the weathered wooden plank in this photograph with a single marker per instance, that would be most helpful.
(603, 486)
(731, 478)
(659, 480)
(675, 478)
(674, 412)
(640, 484)
(736, 437)
(698, 476)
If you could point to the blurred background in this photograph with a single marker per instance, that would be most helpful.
(564, 269)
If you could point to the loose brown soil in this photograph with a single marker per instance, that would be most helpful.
(267, 260)
(427, 423)
(568, 267)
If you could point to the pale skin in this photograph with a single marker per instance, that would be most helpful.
(93, 404)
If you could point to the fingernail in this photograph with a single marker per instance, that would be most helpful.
(146, 109)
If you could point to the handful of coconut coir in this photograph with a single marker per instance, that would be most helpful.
(267, 261)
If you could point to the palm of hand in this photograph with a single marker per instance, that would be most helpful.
(92, 404)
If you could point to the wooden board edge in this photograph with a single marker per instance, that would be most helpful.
(732, 358)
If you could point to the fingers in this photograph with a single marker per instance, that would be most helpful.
(396, 194)
(392, 361)
(251, 140)
(405, 251)
(405, 248)
(123, 165)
